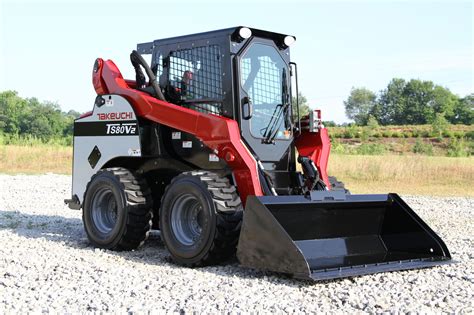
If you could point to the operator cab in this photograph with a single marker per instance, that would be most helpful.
(240, 73)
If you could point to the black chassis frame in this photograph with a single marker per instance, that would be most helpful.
(281, 169)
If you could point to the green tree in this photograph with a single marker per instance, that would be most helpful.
(390, 106)
(417, 96)
(372, 123)
(463, 112)
(12, 109)
(304, 107)
(444, 101)
(69, 122)
(329, 123)
(72, 113)
(439, 125)
(359, 105)
(372, 126)
(414, 102)
(44, 120)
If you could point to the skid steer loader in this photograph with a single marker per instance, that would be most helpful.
(204, 146)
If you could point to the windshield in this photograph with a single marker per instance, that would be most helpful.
(264, 77)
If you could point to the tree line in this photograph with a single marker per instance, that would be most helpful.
(413, 102)
(31, 117)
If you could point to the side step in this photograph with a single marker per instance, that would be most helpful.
(73, 203)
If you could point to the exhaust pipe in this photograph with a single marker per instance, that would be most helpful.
(333, 235)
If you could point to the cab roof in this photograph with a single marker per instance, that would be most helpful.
(147, 48)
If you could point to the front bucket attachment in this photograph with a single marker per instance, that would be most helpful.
(316, 238)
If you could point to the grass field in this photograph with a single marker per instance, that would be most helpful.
(454, 141)
(412, 175)
(35, 159)
(402, 131)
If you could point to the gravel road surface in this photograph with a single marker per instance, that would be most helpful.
(47, 265)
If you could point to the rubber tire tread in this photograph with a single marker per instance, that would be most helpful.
(138, 209)
(229, 212)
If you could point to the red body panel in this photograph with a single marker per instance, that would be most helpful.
(316, 146)
(86, 114)
(97, 80)
(218, 133)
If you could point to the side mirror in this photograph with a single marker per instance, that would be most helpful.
(247, 108)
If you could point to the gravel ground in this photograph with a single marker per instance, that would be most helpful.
(47, 265)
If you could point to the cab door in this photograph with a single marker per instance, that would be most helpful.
(264, 78)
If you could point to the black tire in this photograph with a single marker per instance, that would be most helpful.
(337, 185)
(117, 210)
(200, 218)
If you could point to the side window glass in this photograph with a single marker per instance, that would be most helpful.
(264, 79)
(195, 78)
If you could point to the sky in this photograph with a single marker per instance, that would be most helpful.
(47, 48)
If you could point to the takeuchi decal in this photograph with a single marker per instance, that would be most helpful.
(115, 116)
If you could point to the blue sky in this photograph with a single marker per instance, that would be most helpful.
(47, 48)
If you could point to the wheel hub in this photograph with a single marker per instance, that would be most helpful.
(104, 210)
(187, 218)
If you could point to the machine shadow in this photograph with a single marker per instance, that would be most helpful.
(70, 231)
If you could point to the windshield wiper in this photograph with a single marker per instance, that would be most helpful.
(275, 122)
(280, 110)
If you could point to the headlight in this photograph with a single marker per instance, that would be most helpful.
(245, 32)
(241, 34)
(289, 40)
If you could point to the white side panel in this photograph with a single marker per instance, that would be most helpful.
(99, 130)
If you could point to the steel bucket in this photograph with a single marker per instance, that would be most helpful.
(332, 235)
